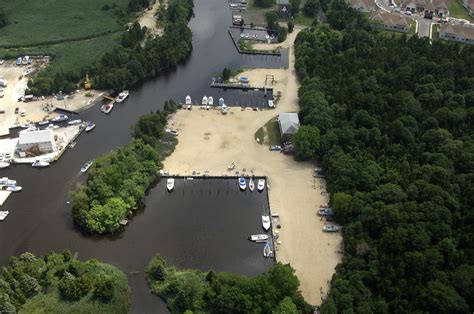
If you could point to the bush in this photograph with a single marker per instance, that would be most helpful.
(282, 34)
(264, 3)
(272, 20)
(295, 6)
(311, 8)
(226, 73)
(291, 26)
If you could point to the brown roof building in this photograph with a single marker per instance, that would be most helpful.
(457, 32)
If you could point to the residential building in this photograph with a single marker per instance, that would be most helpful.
(363, 5)
(457, 32)
(429, 7)
(289, 124)
(391, 21)
(41, 141)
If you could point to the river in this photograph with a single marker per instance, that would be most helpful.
(40, 218)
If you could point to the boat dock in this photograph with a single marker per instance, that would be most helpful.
(4, 196)
(66, 146)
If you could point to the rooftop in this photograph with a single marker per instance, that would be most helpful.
(394, 19)
(459, 30)
(289, 122)
(32, 137)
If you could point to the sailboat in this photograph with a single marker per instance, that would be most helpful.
(267, 250)
(251, 185)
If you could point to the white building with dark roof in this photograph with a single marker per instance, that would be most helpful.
(41, 140)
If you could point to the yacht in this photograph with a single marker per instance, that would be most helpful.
(90, 126)
(170, 184)
(210, 101)
(258, 237)
(251, 185)
(74, 122)
(107, 108)
(40, 164)
(86, 166)
(242, 183)
(267, 250)
(12, 188)
(266, 222)
(4, 165)
(261, 184)
(122, 96)
(3, 215)
(60, 118)
(7, 182)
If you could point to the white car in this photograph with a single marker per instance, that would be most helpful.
(408, 12)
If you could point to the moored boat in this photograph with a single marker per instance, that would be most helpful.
(251, 185)
(188, 102)
(267, 250)
(86, 166)
(204, 101)
(170, 184)
(266, 222)
(4, 214)
(210, 101)
(242, 183)
(107, 108)
(12, 188)
(90, 126)
(40, 164)
(4, 165)
(43, 122)
(258, 237)
(74, 122)
(7, 182)
(122, 96)
(261, 184)
(60, 118)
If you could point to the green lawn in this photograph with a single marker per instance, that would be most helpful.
(33, 22)
(435, 34)
(269, 134)
(302, 19)
(457, 10)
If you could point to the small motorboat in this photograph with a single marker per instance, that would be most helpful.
(325, 212)
(52, 126)
(251, 185)
(170, 184)
(107, 108)
(267, 250)
(90, 126)
(43, 122)
(7, 182)
(4, 165)
(266, 222)
(271, 104)
(4, 214)
(60, 118)
(122, 96)
(204, 101)
(13, 188)
(188, 102)
(86, 166)
(40, 164)
(210, 101)
(258, 237)
(74, 122)
(242, 183)
(331, 228)
(221, 102)
(261, 185)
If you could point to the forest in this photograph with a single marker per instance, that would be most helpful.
(117, 181)
(135, 59)
(391, 120)
(193, 291)
(59, 283)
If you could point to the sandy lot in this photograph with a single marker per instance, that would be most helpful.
(210, 141)
(148, 19)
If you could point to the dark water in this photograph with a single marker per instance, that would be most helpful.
(204, 226)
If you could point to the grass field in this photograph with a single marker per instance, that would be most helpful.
(33, 22)
(457, 10)
(269, 134)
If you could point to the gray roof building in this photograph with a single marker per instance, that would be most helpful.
(289, 123)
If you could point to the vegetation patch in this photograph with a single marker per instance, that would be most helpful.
(59, 283)
(397, 145)
(275, 291)
(269, 134)
(456, 9)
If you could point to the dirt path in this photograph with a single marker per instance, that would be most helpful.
(148, 18)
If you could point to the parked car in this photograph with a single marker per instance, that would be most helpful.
(275, 148)
(17, 110)
(407, 12)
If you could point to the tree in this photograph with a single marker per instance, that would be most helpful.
(291, 26)
(226, 73)
(272, 20)
(311, 8)
(295, 6)
(306, 141)
(264, 3)
(286, 306)
(3, 19)
(104, 289)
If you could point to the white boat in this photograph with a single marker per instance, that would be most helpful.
(107, 108)
(7, 182)
(267, 250)
(242, 183)
(86, 166)
(122, 96)
(52, 126)
(266, 222)
(188, 100)
(60, 118)
(258, 237)
(170, 184)
(261, 184)
(331, 228)
(4, 165)
(74, 122)
(40, 164)
(43, 122)
(251, 185)
(3, 215)
(90, 126)
(210, 101)
(221, 102)
(13, 188)
(271, 104)
(231, 166)
(204, 101)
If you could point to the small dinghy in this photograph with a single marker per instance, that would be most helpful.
(267, 250)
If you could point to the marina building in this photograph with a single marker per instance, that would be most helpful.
(41, 141)
(289, 124)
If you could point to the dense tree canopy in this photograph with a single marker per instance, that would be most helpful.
(276, 290)
(396, 119)
(59, 283)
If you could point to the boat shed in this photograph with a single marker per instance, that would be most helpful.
(289, 123)
(40, 140)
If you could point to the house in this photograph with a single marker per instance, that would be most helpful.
(420, 5)
(469, 5)
(391, 21)
(289, 123)
(457, 32)
(363, 5)
(41, 141)
(441, 7)
(284, 7)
